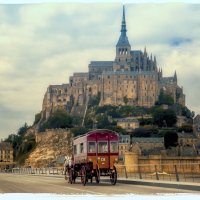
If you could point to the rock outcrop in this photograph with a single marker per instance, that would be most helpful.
(52, 145)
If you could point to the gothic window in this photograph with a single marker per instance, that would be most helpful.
(108, 76)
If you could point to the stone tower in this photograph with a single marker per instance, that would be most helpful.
(123, 49)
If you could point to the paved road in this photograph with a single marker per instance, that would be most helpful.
(16, 183)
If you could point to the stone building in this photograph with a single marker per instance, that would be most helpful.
(124, 145)
(6, 152)
(181, 120)
(187, 139)
(196, 124)
(128, 123)
(148, 146)
(132, 78)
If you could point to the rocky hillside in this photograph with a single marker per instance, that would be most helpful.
(52, 145)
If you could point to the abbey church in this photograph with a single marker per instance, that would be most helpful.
(132, 78)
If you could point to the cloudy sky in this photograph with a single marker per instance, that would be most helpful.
(43, 44)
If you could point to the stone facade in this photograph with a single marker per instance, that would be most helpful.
(128, 123)
(124, 145)
(196, 124)
(135, 163)
(6, 152)
(148, 146)
(181, 120)
(133, 78)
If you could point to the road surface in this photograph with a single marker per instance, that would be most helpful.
(18, 183)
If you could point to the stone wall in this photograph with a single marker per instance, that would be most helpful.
(135, 163)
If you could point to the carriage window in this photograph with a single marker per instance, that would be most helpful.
(81, 148)
(91, 147)
(103, 147)
(75, 149)
(113, 147)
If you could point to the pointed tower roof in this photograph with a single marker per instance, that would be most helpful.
(175, 76)
(145, 50)
(123, 39)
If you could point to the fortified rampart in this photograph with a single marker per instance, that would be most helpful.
(135, 163)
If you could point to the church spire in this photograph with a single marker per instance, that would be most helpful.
(123, 39)
(175, 77)
(123, 26)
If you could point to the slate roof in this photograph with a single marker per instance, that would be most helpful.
(101, 63)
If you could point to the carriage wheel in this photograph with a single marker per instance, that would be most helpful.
(83, 175)
(113, 176)
(97, 177)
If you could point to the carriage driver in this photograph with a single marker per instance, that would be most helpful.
(67, 164)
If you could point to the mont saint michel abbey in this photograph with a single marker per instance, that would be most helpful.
(132, 78)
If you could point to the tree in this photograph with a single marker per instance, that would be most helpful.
(125, 100)
(94, 101)
(141, 132)
(163, 117)
(16, 141)
(102, 121)
(37, 118)
(170, 139)
(165, 99)
(59, 119)
(187, 113)
(88, 122)
(79, 131)
(22, 130)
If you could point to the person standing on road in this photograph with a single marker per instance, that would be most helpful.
(67, 165)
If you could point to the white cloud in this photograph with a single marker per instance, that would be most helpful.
(44, 44)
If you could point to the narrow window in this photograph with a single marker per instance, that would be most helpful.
(113, 147)
(75, 149)
(103, 147)
(81, 148)
(92, 147)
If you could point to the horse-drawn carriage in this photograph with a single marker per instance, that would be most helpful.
(94, 155)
